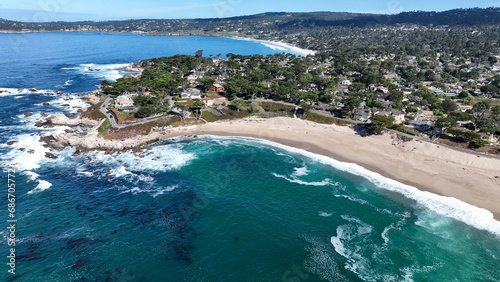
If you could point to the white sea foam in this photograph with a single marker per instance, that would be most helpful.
(161, 158)
(301, 171)
(153, 191)
(42, 186)
(394, 226)
(321, 262)
(444, 206)
(68, 82)
(360, 201)
(17, 92)
(325, 214)
(32, 175)
(109, 72)
(275, 47)
(325, 182)
(73, 101)
(26, 153)
(363, 228)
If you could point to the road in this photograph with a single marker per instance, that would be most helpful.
(109, 115)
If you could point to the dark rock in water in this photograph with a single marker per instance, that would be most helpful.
(14, 278)
(80, 263)
(81, 251)
(12, 142)
(65, 105)
(114, 232)
(78, 242)
(235, 237)
(68, 131)
(82, 279)
(50, 155)
(46, 104)
(32, 254)
(43, 114)
(46, 123)
(28, 114)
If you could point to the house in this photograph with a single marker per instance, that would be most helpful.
(421, 124)
(425, 114)
(216, 88)
(491, 138)
(122, 102)
(221, 101)
(344, 89)
(464, 108)
(191, 93)
(399, 116)
(208, 101)
(346, 82)
(363, 116)
(390, 75)
(147, 93)
(381, 96)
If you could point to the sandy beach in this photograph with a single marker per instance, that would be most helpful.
(471, 178)
(281, 45)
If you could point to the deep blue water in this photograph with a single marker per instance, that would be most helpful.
(207, 208)
(36, 59)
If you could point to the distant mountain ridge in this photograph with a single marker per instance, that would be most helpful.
(270, 22)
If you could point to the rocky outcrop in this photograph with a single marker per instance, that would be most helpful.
(92, 140)
(61, 119)
(92, 99)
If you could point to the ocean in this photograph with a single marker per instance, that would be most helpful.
(205, 208)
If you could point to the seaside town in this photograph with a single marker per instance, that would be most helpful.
(414, 96)
(431, 75)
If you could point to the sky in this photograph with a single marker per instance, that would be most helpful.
(98, 10)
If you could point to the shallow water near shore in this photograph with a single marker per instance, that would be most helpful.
(215, 208)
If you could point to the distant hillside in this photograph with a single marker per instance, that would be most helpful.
(271, 22)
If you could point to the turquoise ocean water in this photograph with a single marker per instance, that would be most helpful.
(208, 208)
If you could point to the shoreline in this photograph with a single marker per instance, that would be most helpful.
(425, 166)
(468, 177)
(287, 46)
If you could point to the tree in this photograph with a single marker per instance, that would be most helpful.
(479, 110)
(306, 107)
(495, 113)
(199, 54)
(489, 90)
(196, 108)
(465, 135)
(446, 122)
(143, 112)
(448, 106)
(379, 123)
(238, 104)
(463, 95)
(206, 82)
(183, 107)
(351, 104)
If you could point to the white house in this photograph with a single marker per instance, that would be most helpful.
(123, 102)
(346, 82)
(191, 93)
